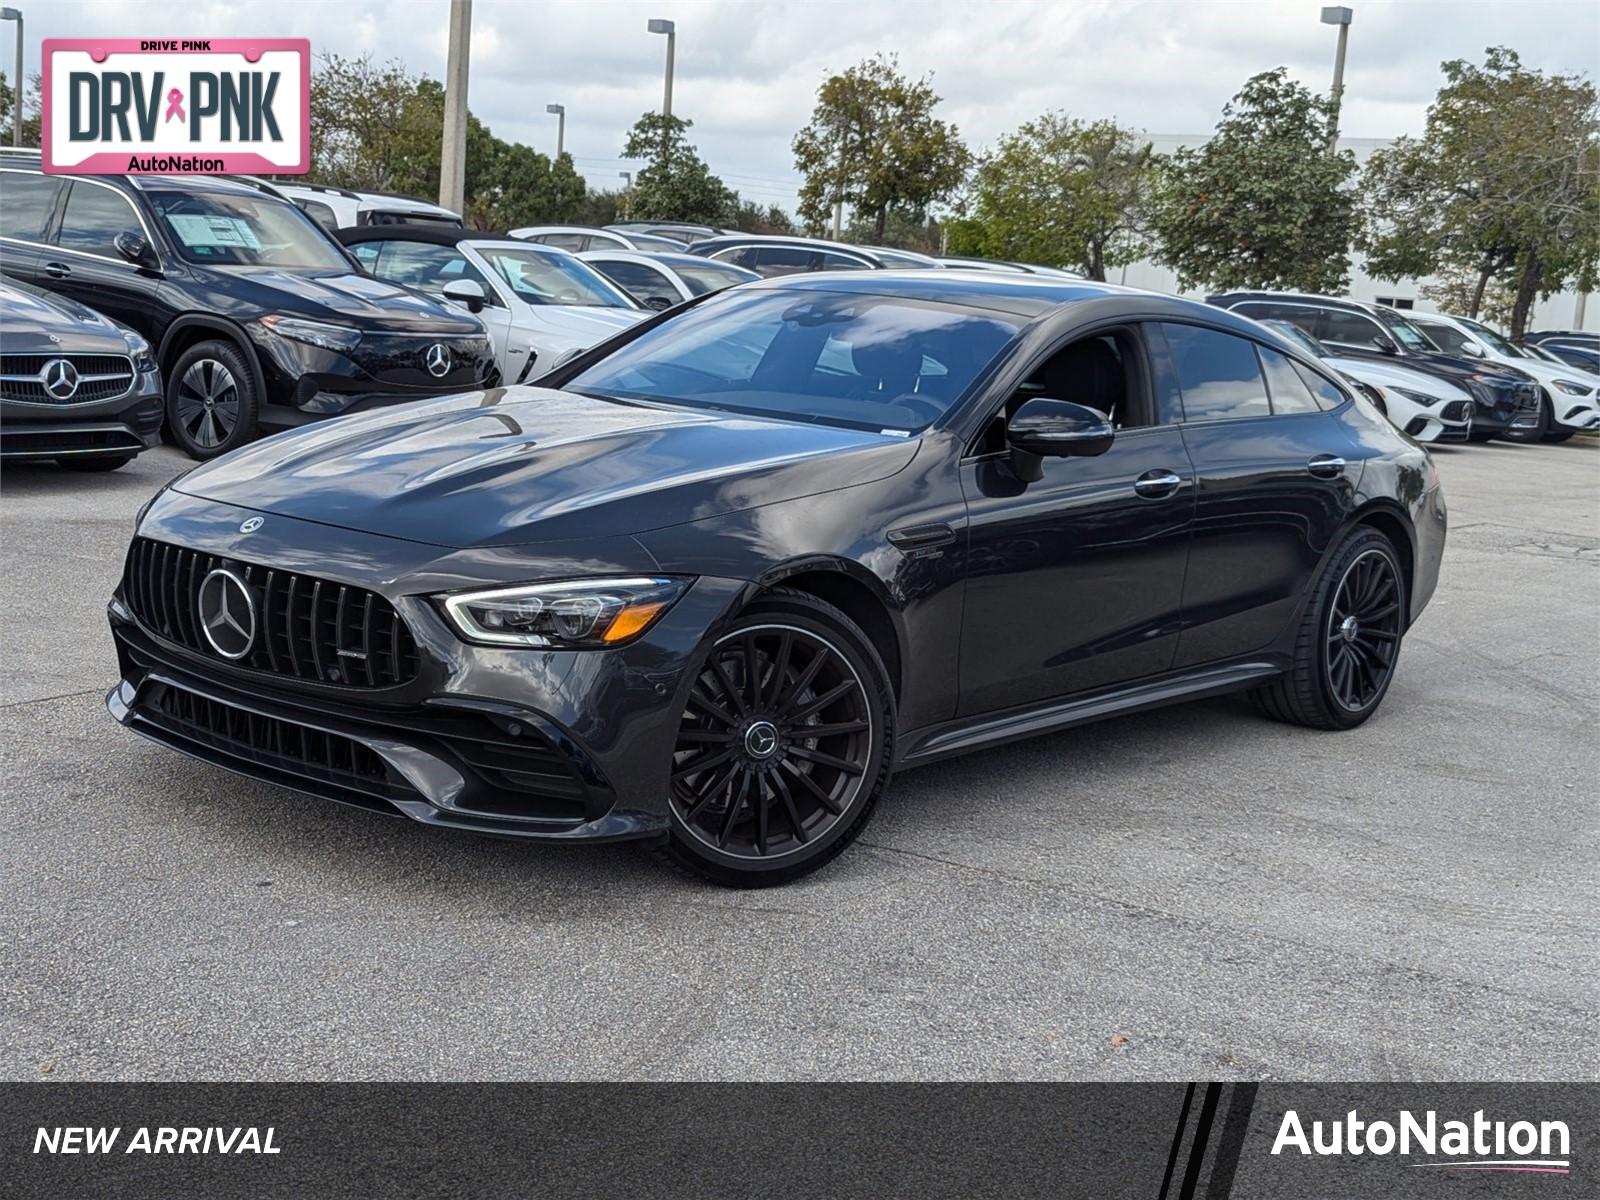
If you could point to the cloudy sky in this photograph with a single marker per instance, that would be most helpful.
(747, 70)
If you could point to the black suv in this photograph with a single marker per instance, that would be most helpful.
(1504, 398)
(74, 386)
(259, 319)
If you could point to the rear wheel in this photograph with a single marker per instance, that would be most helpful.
(1349, 639)
(211, 400)
(783, 748)
(97, 463)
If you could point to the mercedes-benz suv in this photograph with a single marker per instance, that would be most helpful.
(260, 320)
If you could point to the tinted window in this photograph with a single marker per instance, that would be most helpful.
(827, 261)
(1327, 393)
(1289, 392)
(1349, 328)
(783, 260)
(744, 256)
(1218, 374)
(708, 276)
(94, 217)
(25, 204)
(1448, 339)
(320, 213)
(639, 280)
(425, 266)
(869, 362)
(564, 241)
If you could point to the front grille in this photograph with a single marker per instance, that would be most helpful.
(268, 741)
(100, 377)
(303, 628)
(21, 440)
(1456, 410)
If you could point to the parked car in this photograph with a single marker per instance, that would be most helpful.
(721, 576)
(578, 238)
(339, 208)
(676, 231)
(260, 320)
(74, 386)
(1503, 397)
(537, 302)
(1426, 407)
(1575, 347)
(768, 256)
(659, 281)
(1567, 401)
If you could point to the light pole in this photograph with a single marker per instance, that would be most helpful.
(560, 113)
(15, 14)
(1341, 18)
(627, 194)
(667, 27)
(453, 153)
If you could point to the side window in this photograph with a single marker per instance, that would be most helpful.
(739, 256)
(321, 213)
(1328, 393)
(1289, 392)
(25, 204)
(93, 218)
(638, 280)
(1307, 319)
(1448, 338)
(783, 260)
(1350, 329)
(838, 262)
(1219, 374)
(565, 241)
(426, 267)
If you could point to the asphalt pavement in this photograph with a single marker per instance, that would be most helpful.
(1192, 893)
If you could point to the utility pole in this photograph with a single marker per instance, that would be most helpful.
(453, 153)
(1341, 18)
(627, 194)
(560, 113)
(657, 25)
(15, 14)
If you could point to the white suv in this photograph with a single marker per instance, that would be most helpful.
(339, 208)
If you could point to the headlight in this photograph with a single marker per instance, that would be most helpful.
(139, 351)
(317, 333)
(575, 614)
(1421, 398)
(1573, 389)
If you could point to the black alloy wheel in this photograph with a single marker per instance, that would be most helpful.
(211, 402)
(782, 748)
(1363, 631)
(1349, 639)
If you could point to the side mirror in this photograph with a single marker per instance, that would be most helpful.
(466, 292)
(1044, 428)
(1472, 349)
(659, 303)
(134, 248)
(1385, 343)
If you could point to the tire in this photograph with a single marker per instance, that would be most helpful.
(212, 404)
(737, 738)
(95, 464)
(1480, 437)
(1558, 433)
(1330, 653)
(1534, 433)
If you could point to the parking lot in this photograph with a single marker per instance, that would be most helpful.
(1189, 893)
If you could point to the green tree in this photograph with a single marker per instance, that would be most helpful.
(1060, 191)
(30, 110)
(749, 217)
(674, 184)
(1504, 185)
(874, 143)
(1264, 203)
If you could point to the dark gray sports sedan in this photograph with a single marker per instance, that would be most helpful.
(715, 579)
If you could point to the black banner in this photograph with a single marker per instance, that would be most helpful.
(1157, 1141)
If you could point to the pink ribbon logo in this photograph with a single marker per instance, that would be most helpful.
(175, 105)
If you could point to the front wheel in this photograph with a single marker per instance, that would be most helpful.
(1349, 639)
(1559, 433)
(211, 400)
(783, 747)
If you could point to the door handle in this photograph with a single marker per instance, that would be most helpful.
(1153, 485)
(921, 537)
(1326, 466)
(57, 270)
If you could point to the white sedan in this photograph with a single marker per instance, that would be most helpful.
(538, 303)
(1424, 406)
(662, 280)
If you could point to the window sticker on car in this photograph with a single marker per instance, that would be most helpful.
(203, 232)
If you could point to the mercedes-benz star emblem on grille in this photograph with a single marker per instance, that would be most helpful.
(227, 613)
(438, 359)
(251, 525)
(60, 379)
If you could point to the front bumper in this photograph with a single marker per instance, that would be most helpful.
(547, 745)
(125, 425)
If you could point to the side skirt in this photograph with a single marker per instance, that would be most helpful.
(994, 729)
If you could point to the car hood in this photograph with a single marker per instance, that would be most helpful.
(1385, 374)
(525, 464)
(1451, 367)
(1548, 372)
(582, 325)
(37, 322)
(351, 298)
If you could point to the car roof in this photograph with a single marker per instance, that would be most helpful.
(439, 235)
(1267, 296)
(671, 258)
(774, 239)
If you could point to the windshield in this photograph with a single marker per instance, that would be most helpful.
(1298, 336)
(841, 358)
(1490, 338)
(544, 278)
(223, 229)
(1403, 331)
